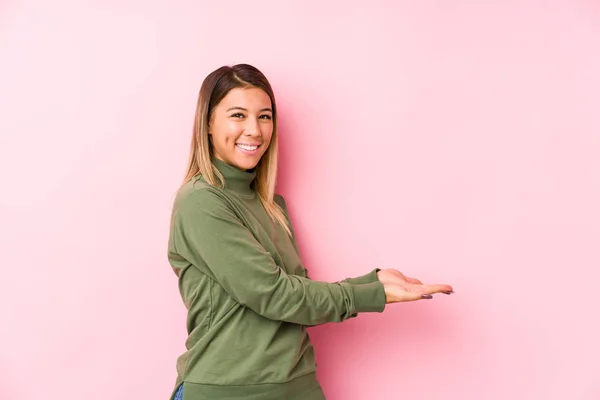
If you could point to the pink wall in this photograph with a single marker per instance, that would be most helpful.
(458, 142)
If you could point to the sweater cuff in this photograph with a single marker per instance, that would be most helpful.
(368, 297)
(368, 278)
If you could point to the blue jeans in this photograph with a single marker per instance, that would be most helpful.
(179, 393)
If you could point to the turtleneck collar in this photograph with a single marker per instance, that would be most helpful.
(235, 179)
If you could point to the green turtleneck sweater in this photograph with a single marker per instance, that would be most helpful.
(248, 297)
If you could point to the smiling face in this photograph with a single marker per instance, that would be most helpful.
(241, 126)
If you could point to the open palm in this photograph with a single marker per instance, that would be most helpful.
(400, 288)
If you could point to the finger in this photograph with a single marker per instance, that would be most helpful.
(436, 288)
(414, 296)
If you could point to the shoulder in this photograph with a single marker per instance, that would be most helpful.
(279, 200)
(197, 194)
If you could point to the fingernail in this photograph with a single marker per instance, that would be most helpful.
(450, 292)
(427, 296)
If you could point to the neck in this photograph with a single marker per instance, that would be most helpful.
(236, 179)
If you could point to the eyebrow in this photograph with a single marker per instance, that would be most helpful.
(243, 109)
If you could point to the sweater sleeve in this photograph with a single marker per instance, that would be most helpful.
(359, 280)
(209, 234)
(367, 278)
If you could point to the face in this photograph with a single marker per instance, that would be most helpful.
(241, 126)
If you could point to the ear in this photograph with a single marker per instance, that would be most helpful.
(209, 123)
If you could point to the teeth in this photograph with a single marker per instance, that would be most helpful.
(246, 147)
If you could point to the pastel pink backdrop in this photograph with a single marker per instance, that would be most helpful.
(457, 142)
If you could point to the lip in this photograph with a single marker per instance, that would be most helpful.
(248, 152)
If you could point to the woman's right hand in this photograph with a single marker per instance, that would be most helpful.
(402, 288)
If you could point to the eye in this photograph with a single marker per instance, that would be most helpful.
(265, 116)
(237, 115)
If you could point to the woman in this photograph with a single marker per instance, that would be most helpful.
(232, 245)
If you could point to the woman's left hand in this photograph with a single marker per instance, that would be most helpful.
(395, 277)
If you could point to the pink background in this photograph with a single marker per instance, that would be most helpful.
(455, 141)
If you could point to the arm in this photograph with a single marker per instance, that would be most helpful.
(359, 280)
(368, 278)
(209, 234)
(397, 286)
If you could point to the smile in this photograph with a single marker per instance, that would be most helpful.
(247, 146)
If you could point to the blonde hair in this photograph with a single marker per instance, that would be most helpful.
(214, 88)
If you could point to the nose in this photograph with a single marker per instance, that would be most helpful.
(252, 128)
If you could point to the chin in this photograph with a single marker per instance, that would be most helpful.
(247, 164)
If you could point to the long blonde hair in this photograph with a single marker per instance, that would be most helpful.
(214, 88)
